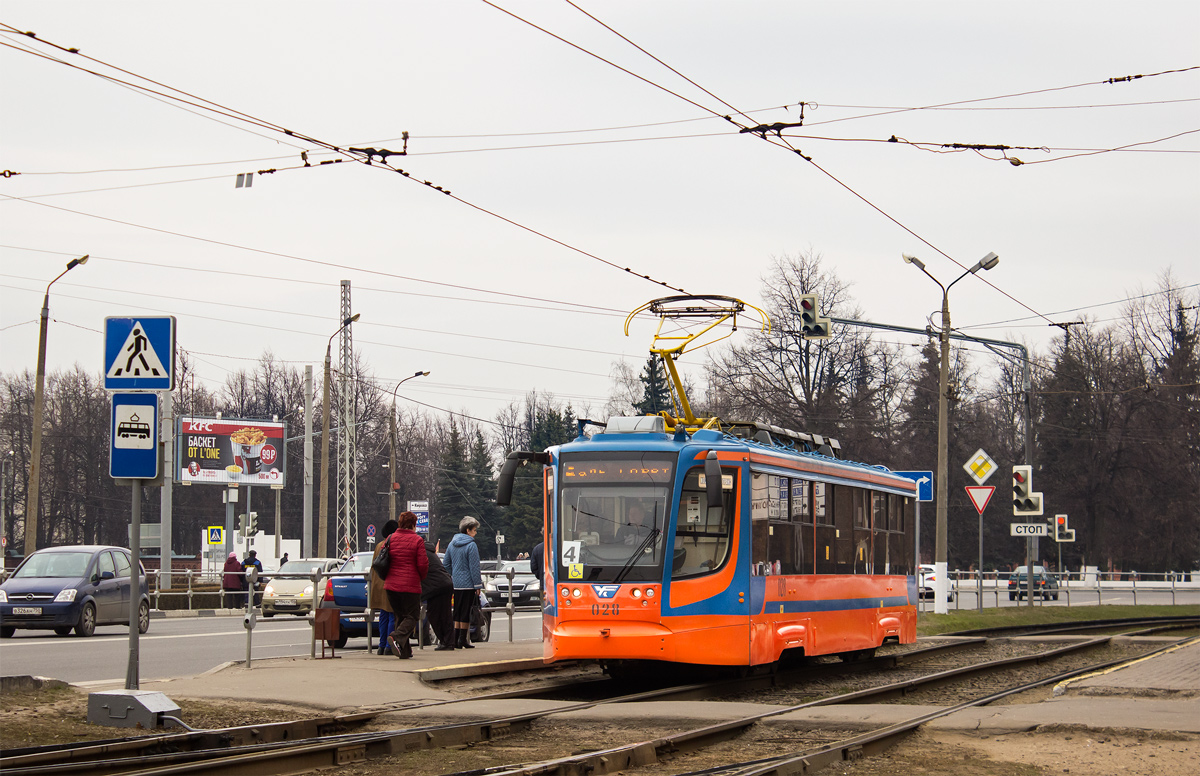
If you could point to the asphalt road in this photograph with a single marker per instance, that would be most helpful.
(183, 646)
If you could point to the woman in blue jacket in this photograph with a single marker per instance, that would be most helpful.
(462, 561)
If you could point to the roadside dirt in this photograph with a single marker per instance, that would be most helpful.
(60, 716)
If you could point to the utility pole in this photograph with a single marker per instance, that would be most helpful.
(306, 536)
(35, 460)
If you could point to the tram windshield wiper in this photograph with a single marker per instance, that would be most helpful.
(654, 532)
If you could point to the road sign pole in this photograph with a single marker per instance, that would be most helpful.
(135, 585)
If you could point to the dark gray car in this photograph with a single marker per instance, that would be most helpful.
(72, 588)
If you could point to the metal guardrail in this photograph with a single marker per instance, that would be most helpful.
(1098, 583)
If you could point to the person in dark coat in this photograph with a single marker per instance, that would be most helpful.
(377, 596)
(409, 565)
(537, 560)
(251, 561)
(462, 561)
(233, 581)
(437, 589)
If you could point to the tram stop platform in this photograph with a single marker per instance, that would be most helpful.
(1158, 693)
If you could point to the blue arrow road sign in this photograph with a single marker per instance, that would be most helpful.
(139, 354)
(133, 454)
(924, 482)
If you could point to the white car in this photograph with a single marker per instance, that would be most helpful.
(927, 579)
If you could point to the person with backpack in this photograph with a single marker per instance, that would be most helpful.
(407, 567)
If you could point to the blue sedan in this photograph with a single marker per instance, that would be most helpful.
(72, 588)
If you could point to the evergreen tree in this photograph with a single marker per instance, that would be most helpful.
(656, 396)
(546, 426)
(454, 489)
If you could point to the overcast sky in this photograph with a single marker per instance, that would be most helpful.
(538, 139)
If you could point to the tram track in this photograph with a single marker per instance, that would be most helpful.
(276, 748)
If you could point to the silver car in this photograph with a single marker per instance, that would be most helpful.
(294, 595)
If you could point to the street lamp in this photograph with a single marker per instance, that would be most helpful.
(35, 463)
(323, 523)
(392, 464)
(943, 492)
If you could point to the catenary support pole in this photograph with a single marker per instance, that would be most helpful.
(306, 536)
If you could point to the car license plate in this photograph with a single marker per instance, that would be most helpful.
(27, 610)
(282, 604)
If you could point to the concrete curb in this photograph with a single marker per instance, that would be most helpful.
(28, 683)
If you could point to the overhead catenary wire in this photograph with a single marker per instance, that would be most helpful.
(359, 155)
(567, 307)
(766, 134)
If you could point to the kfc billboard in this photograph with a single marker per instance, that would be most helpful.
(230, 451)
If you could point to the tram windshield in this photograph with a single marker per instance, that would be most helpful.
(613, 512)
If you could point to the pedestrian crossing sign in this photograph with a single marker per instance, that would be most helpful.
(216, 534)
(139, 353)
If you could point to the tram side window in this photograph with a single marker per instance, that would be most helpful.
(896, 512)
(822, 514)
(702, 535)
(844, 498)
(879, 506)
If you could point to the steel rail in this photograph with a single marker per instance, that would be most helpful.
(179, 749)
(347, 748)
(649, 752)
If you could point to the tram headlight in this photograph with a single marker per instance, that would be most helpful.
(576, 593)
(649, 592)
(637, 592)
(566, 592)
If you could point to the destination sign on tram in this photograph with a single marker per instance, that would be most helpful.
(591, 470)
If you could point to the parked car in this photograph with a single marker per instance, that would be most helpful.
(283, 595)
(349, 594)
(927, 579)
(72, 588)
(1044, 585)
(526, 589)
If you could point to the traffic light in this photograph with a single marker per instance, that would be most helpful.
(812, 325)
(1025, 501)
(1061, 532)
(241, 526)
(252, 524)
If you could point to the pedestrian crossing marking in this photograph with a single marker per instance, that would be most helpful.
(137, 357)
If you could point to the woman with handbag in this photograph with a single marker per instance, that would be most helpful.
(377, 599)
(407, 566)
(462, 561)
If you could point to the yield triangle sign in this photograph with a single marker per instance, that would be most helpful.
(980, 496)
(137, 357)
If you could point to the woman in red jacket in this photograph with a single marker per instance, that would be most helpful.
(408, 566)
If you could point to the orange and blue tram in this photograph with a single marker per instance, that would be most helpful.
(733, 547)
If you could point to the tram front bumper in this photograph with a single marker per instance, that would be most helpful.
(616, 640)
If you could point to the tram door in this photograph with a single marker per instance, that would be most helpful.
(709, 574)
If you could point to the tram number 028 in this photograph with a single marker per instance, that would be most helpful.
(606, 609)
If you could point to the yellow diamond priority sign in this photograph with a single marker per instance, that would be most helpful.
(980, 466)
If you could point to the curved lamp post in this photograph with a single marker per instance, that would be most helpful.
(323, 523)
(35, 462)
(392, 462)
(941, 583)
